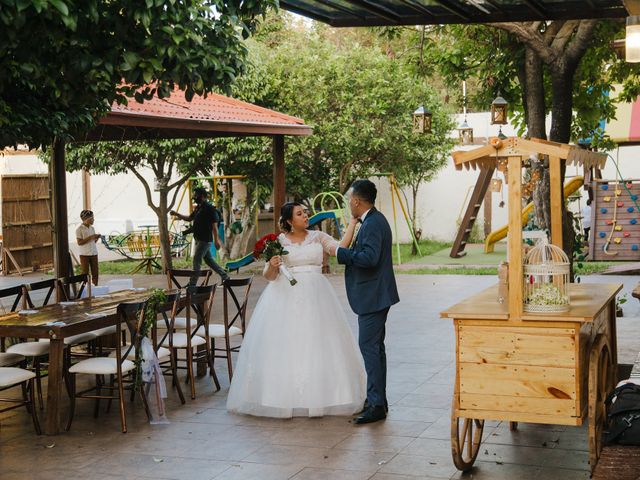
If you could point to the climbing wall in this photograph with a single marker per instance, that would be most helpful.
(615, 220)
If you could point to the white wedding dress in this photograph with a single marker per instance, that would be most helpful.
(299, 357)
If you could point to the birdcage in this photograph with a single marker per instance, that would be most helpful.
(546, 279)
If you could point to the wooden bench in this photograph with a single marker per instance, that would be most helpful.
(620, 462)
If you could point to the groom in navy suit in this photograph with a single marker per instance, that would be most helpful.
(371, 289)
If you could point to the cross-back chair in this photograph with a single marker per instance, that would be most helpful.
(235, 299)
(199, 301)
(116, 366)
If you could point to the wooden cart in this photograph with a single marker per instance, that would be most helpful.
(551, 368)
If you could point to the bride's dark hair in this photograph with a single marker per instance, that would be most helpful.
(286, 214)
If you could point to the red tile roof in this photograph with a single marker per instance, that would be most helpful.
(215, 115)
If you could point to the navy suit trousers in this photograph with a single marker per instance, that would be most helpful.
(371, 332)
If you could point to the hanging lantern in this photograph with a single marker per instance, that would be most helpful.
(422, 120)
(465, 133)
(499, 111)
(632, 40)
(495, 185)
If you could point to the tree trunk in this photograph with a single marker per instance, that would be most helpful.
(533, 95)
(163, 229)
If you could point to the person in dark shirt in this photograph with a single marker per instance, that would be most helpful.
(205, 220)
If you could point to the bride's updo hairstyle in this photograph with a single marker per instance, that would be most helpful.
(286, 214)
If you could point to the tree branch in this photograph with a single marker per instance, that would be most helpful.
(147, 189)
(580, 43)
(531, 38)
(552, 30)
(564, 36)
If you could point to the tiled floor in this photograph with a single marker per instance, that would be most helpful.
(203, 441)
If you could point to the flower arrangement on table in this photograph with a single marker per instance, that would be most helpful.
(268, 247)
(547, 294)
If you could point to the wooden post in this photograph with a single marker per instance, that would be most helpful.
(556, 193)
(488, 204)
(86, 189)
(57, 174)
(278, 179)
(515, 238)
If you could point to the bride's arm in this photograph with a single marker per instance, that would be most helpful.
(271, 268)
(348, 235)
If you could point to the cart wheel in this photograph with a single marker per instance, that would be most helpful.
(600, 378)
(466, 435)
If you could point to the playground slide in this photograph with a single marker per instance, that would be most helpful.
(497, 235)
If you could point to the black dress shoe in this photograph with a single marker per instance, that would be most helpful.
(366, 407)
(372, 414)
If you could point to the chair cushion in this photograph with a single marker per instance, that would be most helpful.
(180, 341)
(80, 338)
(161, 353)
(30, 349)
(180, 323)
(9, 359)
(105, 331)
(101, 366)
(13, 376)
(217, 331)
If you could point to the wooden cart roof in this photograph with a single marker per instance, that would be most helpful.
(488, 155)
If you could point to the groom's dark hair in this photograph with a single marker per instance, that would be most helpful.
(365, 190)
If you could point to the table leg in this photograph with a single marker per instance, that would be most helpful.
(201, 367)
(54, 386)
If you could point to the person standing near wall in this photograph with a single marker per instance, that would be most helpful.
(205, 220)
(87, 238)
(586, 220)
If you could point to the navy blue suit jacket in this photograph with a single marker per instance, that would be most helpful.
(369, 278)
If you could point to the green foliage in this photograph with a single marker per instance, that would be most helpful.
(150, 315)
(358, 99)
(64, 63)
(492, 61)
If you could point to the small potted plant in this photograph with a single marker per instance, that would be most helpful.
(620, 300)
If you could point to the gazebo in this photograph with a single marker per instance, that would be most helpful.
(171, 118)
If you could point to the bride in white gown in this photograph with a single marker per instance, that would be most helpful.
(299, 356)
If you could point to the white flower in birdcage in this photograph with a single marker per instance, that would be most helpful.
(546, 279)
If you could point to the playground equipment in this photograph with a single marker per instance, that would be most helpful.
(339, 214)
(395, 196)
(143, 245)
(489, 243)
(615, 220)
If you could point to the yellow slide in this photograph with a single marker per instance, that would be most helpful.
(497, 235)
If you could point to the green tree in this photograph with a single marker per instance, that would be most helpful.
(172, 163)
(64, 63)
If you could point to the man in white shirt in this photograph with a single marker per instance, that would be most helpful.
(87, 238)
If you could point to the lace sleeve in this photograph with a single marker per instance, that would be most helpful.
(326, 240)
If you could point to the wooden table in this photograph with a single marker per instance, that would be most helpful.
(542, 368)
(75, 321)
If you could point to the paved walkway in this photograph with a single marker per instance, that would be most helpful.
(203, 441)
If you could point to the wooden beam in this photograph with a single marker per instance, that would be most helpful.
(305, 12)
(453, 8)
(464, 156)
(514, 240)
(86, 189)
(58, 176)
(536, 7)
(341, 8)
(632, 6)
(418, 7)
(377, 10)
(279, 184)
(555, 189)
(541, 147)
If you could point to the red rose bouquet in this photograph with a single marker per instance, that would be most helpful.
(268, 247)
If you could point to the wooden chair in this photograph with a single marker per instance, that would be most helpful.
(12, 377)
(233, 325)
(50, 288)
(36, 350)
(72, 288)
(180, 279)
(199, 300)
(116, 366)
(166, 354)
